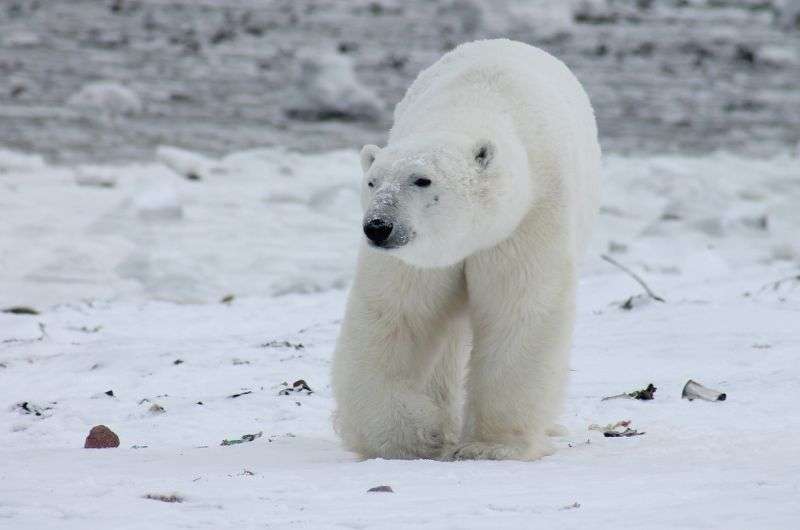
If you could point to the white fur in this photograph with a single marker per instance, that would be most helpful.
(484, 273)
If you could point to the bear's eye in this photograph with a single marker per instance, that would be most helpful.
(422, 182)
(370, 184)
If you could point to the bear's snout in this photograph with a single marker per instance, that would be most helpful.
(378, 231)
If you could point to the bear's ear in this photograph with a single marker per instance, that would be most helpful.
(483, 153)
(368, 154)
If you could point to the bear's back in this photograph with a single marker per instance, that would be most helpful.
(493, 65)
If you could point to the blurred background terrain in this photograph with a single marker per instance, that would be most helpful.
(90, 80)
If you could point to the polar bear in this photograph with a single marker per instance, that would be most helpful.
(457, 331)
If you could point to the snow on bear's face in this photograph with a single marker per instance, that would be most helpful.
(434, 201)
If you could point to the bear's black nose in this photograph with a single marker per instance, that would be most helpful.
(378, 230)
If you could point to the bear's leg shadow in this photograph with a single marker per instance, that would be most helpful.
(522, 317)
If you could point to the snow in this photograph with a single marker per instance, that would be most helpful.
(545, 19)
(777, 56)
(269, 222)
(96, 175)
(22, 39)
(157, 200)
(131, 302)
(244, 228)
(12, 160)
(327, 87)
(185, 163)
(107, 96)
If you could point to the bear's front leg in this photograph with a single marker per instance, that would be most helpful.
(522, 313)
(384, 419)
(395, 328)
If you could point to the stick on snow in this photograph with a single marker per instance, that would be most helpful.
(633, 275)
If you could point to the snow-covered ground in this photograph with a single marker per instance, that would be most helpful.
(128, 265)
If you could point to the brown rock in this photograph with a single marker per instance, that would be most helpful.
(100, 437)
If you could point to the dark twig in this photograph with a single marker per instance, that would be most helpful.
(633, 275)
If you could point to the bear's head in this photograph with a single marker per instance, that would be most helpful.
(433, 201)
